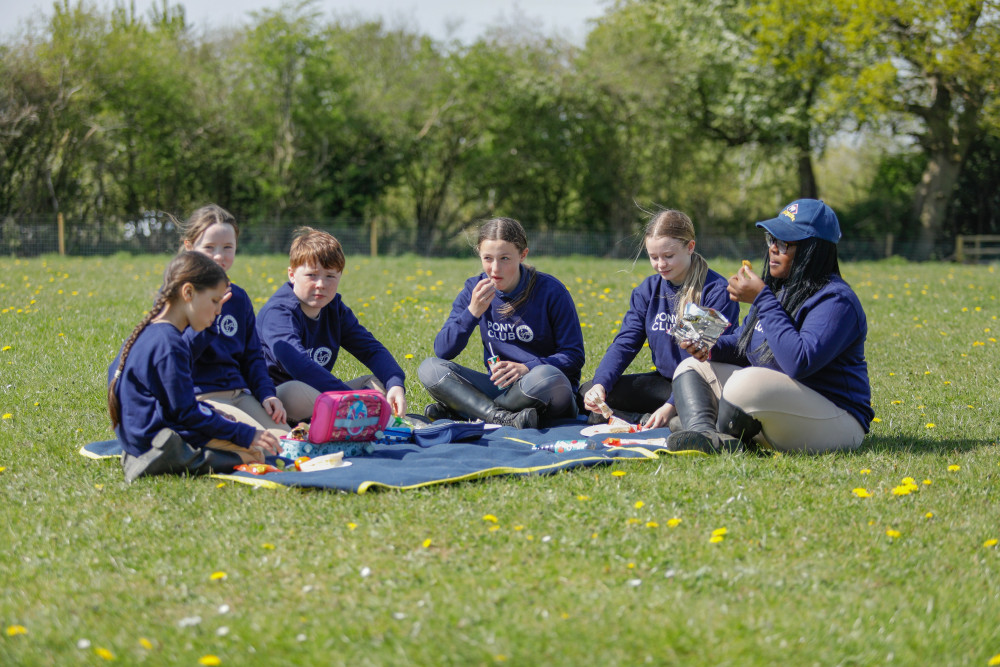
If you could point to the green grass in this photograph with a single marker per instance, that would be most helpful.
(571, 572)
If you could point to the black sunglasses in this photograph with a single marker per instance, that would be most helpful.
(783, 246)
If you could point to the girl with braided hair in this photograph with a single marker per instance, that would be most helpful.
(151, 397)
(532, 342)
(682, 276)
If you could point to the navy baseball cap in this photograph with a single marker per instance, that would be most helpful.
(803, 219)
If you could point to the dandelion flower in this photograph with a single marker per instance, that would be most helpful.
(145, 643)
(866, 471)
(351, 525)
(715, 539)
(209, 660)
(990, 543)
(494, 528)
(489, 517)
(14, 630)
(861, 492)
(427, 543)
(618, 473)
(582, 497)
(994, 661)
(930, 425)
(104, 653)
(892, 533)
(674, 522)
(218, 576)
(268, 546)
(407, 356)
(639, 504)
(719, 532)
(8, 415)
(954, 467)
(929, 515)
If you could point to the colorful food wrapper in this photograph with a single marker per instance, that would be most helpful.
(700, 325)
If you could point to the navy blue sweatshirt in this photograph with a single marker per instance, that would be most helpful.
(651, 317)
(298, 347)
(155, 392)
(227, 355)
(823, 347)
(544, 330)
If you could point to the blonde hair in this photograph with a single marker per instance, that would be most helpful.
(677, 225)
(206, 216)
(312, 246)
(187, 266)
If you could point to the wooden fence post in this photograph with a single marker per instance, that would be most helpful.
(959, 249)
(373, 237)
(888, 245)
(62, 234)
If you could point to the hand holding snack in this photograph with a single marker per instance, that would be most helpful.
(595, 398)
(745, 285)
(482, 297)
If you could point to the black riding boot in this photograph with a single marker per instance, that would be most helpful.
(435, 411)
(698, 409)
(462, 396)
(733, 421)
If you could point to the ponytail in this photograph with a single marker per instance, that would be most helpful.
(114, 406)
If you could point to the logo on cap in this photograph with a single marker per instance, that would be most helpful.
(791, 210)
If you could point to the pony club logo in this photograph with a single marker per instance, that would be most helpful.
(205, 410)
(322, 355)
(228, 325)
(791, 211)
(525, 334)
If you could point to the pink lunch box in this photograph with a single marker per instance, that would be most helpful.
(348, 415)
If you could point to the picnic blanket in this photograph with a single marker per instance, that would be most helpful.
(504, 451)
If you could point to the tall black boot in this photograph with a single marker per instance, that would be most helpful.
(698, 409)
(462, 396)
(515, 400)
(733, 421)
(435, 411)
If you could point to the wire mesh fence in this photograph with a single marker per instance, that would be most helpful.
(32, 238)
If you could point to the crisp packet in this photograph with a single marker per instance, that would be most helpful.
(700, 325)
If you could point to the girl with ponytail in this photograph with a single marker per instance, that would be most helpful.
(532, 342)
(682, 276)
(151, 398)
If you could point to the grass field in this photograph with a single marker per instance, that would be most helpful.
(583, 567)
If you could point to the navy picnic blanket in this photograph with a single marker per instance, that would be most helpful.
(503, 451)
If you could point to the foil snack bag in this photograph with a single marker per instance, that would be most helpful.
(700, 325)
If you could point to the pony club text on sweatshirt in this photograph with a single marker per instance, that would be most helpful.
(543, 330)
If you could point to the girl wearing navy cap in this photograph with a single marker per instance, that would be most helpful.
(682, 276)
(532, 341)
(793, 376)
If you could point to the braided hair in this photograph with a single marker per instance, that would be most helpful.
(814, 264)
(511, 231)
(677, 225)
(186, 267)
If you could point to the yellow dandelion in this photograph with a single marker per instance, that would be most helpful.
(209, 660)
(861, 492)
(954, 467)
(489, 517)
(2, 468)
(14, 630)
(8, 415)
(990, 543)
(407, 356)
(494, 528)
(719, 532)
(351, 525)
(218, 576)
(930, 425)
(104, 653)
(426, 543)
(639, 504)
(652, 524)
(268, 546)
(582, 497)
(616, 473)
(631, 566)
(994, 661)
(866, 471)
(519, 527)
(927, 482)
(893, 533)
(674, 522)
(929, 515)
(902, 490)
(715, 539)
(220, 485)
(6, 347)
(145, 643)
(876, 420)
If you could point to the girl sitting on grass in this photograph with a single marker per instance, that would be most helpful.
(793, 376)
(229, 368)
(151, 397)
(682, 277)
(527, 319)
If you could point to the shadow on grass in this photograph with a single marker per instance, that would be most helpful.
(883, 444)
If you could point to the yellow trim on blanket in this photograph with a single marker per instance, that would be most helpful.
(97, 457)
(656, 453)
(252, 481)
(507, 437)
